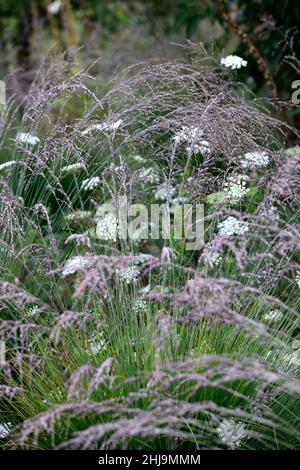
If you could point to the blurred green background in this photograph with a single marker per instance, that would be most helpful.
(127, 31)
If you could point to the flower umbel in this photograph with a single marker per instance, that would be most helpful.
(107, 227)
(90, 183)
(233, 62)
(255, 159)
(235, 188)
(232, 226)
(232, 432)
(26, 138)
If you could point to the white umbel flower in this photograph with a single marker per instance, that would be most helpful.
(149, 175)
(165, 192)
(78, 215)
(107, 227)
(179, 200)
(211, 258)
(72, 168)
(90, 183)
(235, 188)
(7, 165)
(233, 62)
(129, 275)
(75, 264)
(26, 138)
(256, 159)
(292, 360)
(5, 429)
(97, 343)
(232, 226)
(272, 212)
(232, 432)
(31, 313)
(54, 7)
(273, 316)
(104, 127)
(297, 278)
(140, 306)
(188, 134)
(138, 159)
(192, 136)
(203, 147)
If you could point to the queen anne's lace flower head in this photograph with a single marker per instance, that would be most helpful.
(26, 138)
(235, 188)
(54, 7)
(202, 147)
(72, 168)
(232, 226)
(149, 175)
(31, 313)
(104, 127)
(233, 62)
(192, 136)
(272, 212)
(255, 159)
(90, 183)
(140, 306)
(273, 316)
(5, 429)
(165, 192)
(97, 343)
(298, 278)
(107, 227)
(188, 134)
(75, 264)
(211, 258)
(78, 215)
(6, 165)
(231, 432)
(129, 275)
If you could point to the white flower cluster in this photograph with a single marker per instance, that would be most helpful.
(5, 429)
(75, 264)
(232, 226)
(252, 160)
(232, 432)
(211, 258)
(233, 62)
(97, 343)
(31, 313)
(54, 7)
(107, 227)
(273, 316)
(72, 168)
(78, 215)
(165, 192)
(149, 175)
(90, 183)
(235, 188)
(104, 127)
(6, 165)
(297, 279)
(290, 360)
(193, 137)
(138, 158)
(26, 138)
(188, 134)
(272, 212)
(179, 200)
(140, 306)
(129, 275)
